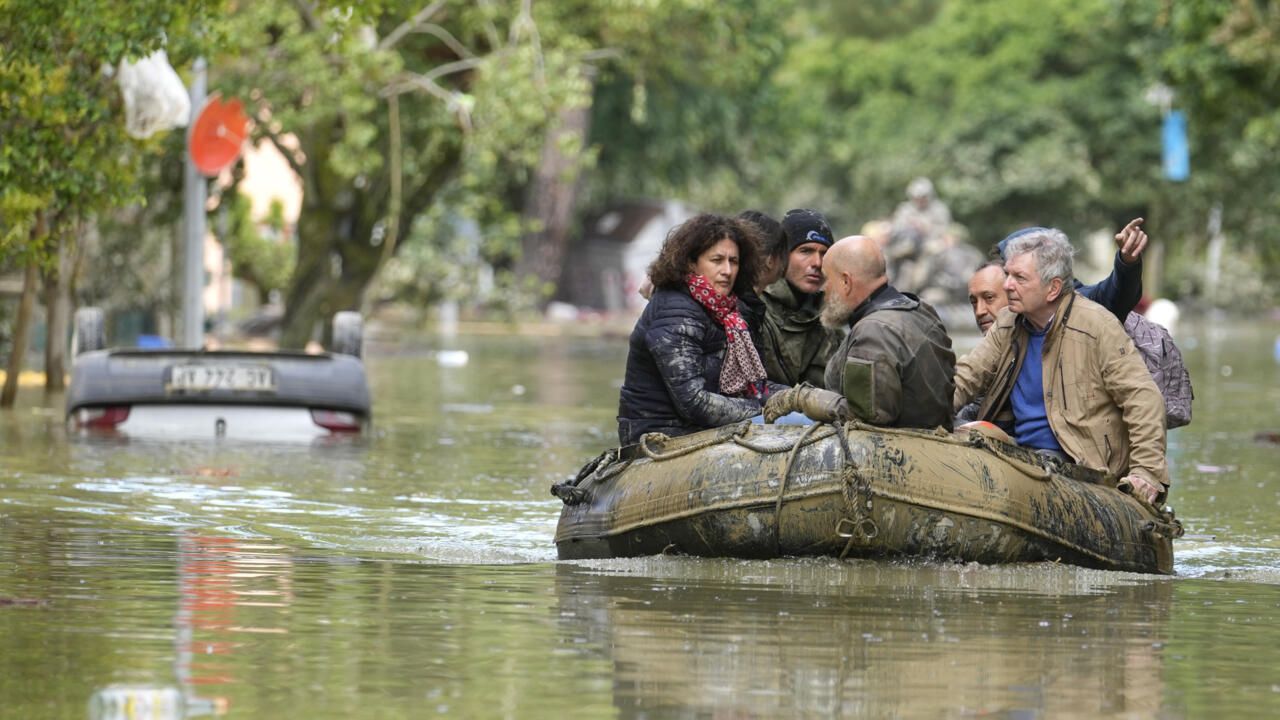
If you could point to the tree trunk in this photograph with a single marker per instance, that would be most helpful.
(21, 333)
(57, 303)
(336, 226)
(550, 201)
(336, 262)
(305, 302)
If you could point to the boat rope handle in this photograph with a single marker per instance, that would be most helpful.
(853, 484)
(806, 439)
(782, 486)
(735, 431)
(1031, 470)
(603, 467)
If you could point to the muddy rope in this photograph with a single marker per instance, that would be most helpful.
(856, 489)
(807, 438)
(782, 486)
(727, 432)
(1039, 472)
(577, 489)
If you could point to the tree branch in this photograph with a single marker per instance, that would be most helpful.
(495, 40)
(447, 38)
(524, 23)
(453, 100)
(395, 169)
(410, 25)
(450, 68)
(411, 81)
(294, 163)
(601, 54)
(308, 15)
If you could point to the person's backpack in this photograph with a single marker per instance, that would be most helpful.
(1164, 362)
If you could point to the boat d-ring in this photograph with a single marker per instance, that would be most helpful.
(865, 528)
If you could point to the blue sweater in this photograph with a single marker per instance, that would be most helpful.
(1030, 422)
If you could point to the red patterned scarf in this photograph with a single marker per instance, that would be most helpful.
(742, 373)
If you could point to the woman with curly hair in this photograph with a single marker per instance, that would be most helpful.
(692, 364)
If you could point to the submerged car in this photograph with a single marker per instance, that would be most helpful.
(166, 392)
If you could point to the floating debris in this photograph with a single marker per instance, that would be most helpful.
(452, 358)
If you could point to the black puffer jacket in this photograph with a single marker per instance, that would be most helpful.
(672, 383)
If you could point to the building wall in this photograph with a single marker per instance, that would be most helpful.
(267, 178)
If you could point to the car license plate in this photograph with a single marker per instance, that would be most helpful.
(205, 377)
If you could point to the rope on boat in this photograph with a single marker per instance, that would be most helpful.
(805, 439)
(1039, 472)
(853, 484)
(576, 490)
(733, 431)
(859, 524)
(782, 486)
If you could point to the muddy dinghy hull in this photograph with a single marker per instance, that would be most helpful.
(764, 491)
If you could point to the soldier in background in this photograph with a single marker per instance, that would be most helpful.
(919, 230)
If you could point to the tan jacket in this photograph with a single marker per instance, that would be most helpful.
(1101, 403)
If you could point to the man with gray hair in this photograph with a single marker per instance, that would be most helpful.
(1077, 387)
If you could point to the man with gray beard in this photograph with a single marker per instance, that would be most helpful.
(895, 368)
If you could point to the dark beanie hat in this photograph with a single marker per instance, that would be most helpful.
(806, 226)
(1015, 235)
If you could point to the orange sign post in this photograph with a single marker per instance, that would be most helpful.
(217, 136)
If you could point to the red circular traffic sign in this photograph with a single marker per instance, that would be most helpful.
(218, 134)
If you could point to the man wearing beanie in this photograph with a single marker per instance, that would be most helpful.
(795, 346)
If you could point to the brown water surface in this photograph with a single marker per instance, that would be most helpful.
(412, 574)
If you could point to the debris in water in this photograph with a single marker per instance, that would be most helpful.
(213, 472)
(452, 358)
(1214, 469)
(22, 602)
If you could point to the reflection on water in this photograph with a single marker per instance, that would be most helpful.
(412, 574)
(856, 639)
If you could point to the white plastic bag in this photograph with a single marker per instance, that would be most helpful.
(154, 97)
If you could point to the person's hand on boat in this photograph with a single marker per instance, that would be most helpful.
(1131, 241)
(1144, 489)
(820, 405)
(780, 402)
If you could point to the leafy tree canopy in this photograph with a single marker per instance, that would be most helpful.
(1020, 111)
(65, 154)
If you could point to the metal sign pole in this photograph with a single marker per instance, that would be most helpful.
(193, 201)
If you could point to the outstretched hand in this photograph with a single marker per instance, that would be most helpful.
(1131, 241)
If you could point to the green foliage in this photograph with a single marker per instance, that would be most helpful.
(65, 155)
(1220, 57)
(689, 108)
(478, 87)
(259, 253)
(1037, 112)
(474, 88)
(1020, 111)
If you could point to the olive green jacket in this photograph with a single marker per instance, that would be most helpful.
(895, 367)
(1102, 405)
(794, 346)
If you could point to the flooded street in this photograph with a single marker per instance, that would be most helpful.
(412, 573)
